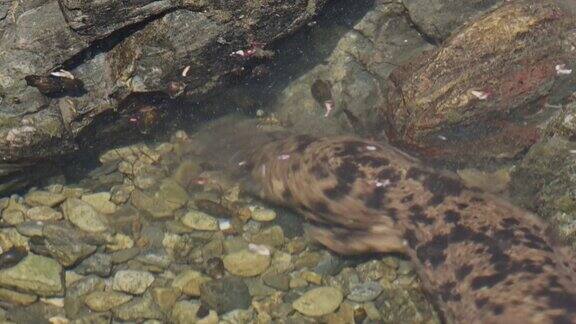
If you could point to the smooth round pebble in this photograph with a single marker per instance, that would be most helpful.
(201, 221)
(102, 301)
(263, 215)
(132, 281)
(245, 263)
(319, 301)
(365, 292)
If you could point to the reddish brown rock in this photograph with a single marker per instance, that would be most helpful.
(481, 83)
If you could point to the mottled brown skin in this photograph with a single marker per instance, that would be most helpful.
(485, 260)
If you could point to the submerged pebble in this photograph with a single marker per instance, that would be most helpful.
(319, 301)
(11, 257)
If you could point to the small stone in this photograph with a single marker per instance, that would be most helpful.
(311, 277)
(155, 259)
(74, 300)
(165, 298)
(120, 242)
(84, 216)
(189, 281)
(43, 213)
(63, 243)
(99, 264)
(263, 215)
(198, 220)
(246, 264)
(185, 312)
(185, 172)
(58, 320)
(31, 228)
(138, 309)
(70, 192)
(44, 198)
(103, 301)
(121, 193)
(101, 202)
(296, 246)
(281, 262)
(16, 298)
(172, 194)
(12, 256)
(272, 236)
(234, 244)
(319, 301)
(34, 274)
(56, 301)
(372, 311)
(365, 292)
(13, 217)
(226, 294)
(257, 287)
(215, 268)
(278, 281)
(157, 208)
(298, 282)
(132, 281)
(144, 182)
(308, 260)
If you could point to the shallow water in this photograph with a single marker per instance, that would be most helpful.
(138, 227)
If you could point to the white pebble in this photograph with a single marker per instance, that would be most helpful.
(259, 249)
(371, 148)
(224, 224)
(561, 69)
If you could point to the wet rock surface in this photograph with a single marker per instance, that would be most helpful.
(112, 50)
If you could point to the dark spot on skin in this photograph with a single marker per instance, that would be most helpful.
(480, 302)
(462, 206)
(507, 222)
(347, 173)
(319, 172)
(488, 280)
(407, 198)
(371, 161)
(303, 142)
(338, 192)
(349, 148)
(463, 271)
(497, 309)
(446, 291)
(443, 185)
(411, 238)
(376, 199)
(295, 167)
(503, 235)
(533, 238)
(415, 173)
(477, 200)
(392, 213)
(286, 194)
(389, 174)
(558, 299)
(417, 214)
(451, 216)
(562, 319)
(433, 251)
(319, 207)
(436, 200)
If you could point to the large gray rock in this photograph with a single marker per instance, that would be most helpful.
(100, 18)
(437, 19)
(34, 274)
(158, 41)
(356, 68)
